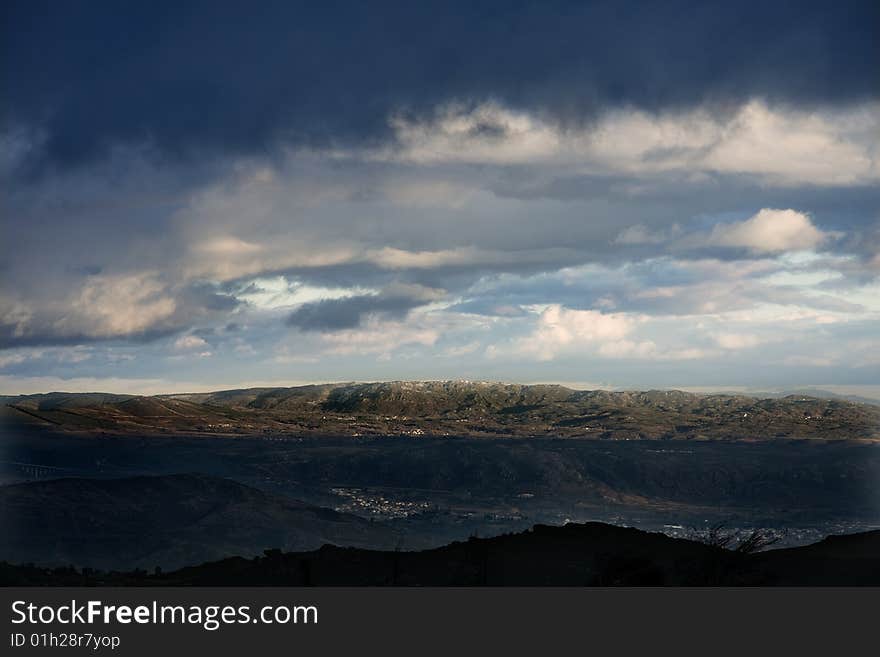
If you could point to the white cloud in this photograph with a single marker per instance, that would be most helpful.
(394, 258)
(800, 147)
(189, 342)
(69, 355)
(378, 337)
(779, 145)
(16, 358)
(560, 329)
(770, 231)
(461, 350)
(486, 133)
(628, 349)
(737, 340)
(273, 253)
(227, 246)
(113, 306)
(16, 314)
(800, 360)
(270, 293)
(572, 333)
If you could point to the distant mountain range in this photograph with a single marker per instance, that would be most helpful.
(821, 393)
(454, 408)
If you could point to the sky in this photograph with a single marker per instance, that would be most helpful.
(205, 195)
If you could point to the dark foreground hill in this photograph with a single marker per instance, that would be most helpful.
(172, 521)
(592, 554)
(453, 408)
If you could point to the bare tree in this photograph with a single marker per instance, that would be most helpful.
(737, 540)
(756, 541)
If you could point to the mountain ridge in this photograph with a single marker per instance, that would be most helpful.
(455, 408)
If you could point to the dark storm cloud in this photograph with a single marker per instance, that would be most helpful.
(234, 77)
(339, 314)
(45, 336)
(715, 193)
(204, 297)
(450, 277)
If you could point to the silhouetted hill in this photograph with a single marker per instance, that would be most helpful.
(837, 560)
(456, 408)
(171, 521)
(574, 555)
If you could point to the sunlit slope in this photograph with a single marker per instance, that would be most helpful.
(456, 408)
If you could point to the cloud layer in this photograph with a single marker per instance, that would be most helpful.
(194, 76)
(603, 192)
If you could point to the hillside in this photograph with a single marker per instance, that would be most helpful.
(591, 554)
(455, 408)
(172, 521)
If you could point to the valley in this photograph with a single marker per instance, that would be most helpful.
(86, 465)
